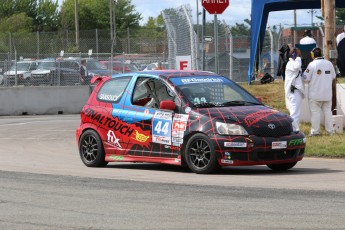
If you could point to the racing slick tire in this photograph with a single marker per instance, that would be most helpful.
(91, 149)
(199, 154)
(281, 167)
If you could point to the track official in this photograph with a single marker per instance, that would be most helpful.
(294, 87)
(320, 74)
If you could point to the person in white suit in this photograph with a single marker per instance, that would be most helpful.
(294, 87)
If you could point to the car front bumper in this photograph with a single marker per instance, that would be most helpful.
(253, 150)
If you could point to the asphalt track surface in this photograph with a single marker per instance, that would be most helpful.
(44, 185)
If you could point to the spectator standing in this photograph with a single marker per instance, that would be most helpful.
(341, 52)
(83, 72)
(320, 74)
(284, 54)
(307, 38)
(294, 87)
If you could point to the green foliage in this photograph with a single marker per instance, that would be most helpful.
(96, 14)
(241, 29)
(340, 15)
(43, 13)
(17, 23)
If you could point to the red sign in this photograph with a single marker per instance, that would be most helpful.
(215, 6)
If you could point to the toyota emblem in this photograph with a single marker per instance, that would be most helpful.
(271, 126)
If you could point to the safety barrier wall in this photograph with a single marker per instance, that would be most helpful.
(43, 100)
(71, 99)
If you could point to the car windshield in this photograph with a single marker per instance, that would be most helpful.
(46, 65)
(212, 91)
(94, 65)
(21, 66)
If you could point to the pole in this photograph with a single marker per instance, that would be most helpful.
(330, 43)
(111, 19)
(198, 36)
(295, 27)
(216, 62)
(76, 21)
(203, 39)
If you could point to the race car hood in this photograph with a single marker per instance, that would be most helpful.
(247, 116)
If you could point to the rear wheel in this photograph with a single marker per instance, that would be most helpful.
(200, 155)
(281, 167)
(91, 149)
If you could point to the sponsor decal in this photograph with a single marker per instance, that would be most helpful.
(319, 72)
(254, 118)
(224, 161)
(179, 125)
(180, 117)
(129, 133)
(177, 140)
(140, 137)
(113, 140)
(177, 160)
(200, 80)
(279, 145)
(161, 127)
(227, 155)
(295, 142)
(235, 144)
(108, 97)
(327, 72)
(116, 158)
(307, 70)
(188, 109)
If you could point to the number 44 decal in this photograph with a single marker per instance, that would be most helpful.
(162, 126)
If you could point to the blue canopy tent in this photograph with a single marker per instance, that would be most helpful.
(260, 11)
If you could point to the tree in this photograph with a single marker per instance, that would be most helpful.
(95, 14)
(340, 16)
(43, 13)
(17, 23)
(241, 29)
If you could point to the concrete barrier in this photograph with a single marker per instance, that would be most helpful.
(43, 100)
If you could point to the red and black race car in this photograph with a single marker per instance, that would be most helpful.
(192, 118)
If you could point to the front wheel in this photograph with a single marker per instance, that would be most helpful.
(200, 155)
(281, 167)
(91, 149)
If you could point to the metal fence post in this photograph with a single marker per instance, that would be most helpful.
(38, 44)
(272, 51)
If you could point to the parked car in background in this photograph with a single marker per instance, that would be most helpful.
(157, 66)
(21, 69)
(55, 72)
(120, 67)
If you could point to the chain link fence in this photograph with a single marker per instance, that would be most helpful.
(36, 59)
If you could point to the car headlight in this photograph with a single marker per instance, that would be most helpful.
(230, 129)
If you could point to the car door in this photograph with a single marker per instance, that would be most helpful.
(153, 134)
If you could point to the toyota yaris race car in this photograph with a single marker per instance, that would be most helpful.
(193, 118)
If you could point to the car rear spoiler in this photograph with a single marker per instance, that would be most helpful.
(96, 78)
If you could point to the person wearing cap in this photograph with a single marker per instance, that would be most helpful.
(341, 53)
(307, 38)
(294, 87)
(320, 74)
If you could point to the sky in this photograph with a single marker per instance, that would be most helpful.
(237, 12)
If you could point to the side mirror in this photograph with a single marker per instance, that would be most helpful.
(259, 99)
(167, 104)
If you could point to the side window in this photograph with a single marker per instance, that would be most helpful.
(149, 92)
(113, 89)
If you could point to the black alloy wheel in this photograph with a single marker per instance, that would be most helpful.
(200, 155)
(91, 149)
